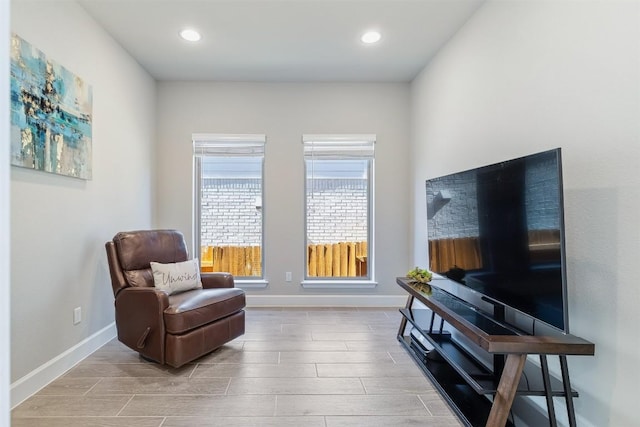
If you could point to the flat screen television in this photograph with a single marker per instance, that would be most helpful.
(499, 230)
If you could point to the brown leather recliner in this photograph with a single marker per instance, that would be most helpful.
(169, 329)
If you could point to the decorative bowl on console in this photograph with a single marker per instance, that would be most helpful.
(420, 279)
(419, 275)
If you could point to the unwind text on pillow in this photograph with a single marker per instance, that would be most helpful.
(176, 277)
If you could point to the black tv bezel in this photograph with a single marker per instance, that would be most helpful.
(563, 260)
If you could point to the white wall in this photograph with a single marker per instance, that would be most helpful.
(5, 318)
(284, 112)
(526, 76)
(59, 224)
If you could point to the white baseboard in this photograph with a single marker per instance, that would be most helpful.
(533, 412)
(35, 380)
(326, 300)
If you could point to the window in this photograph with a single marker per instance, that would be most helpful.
(339, 207)
(228, 226)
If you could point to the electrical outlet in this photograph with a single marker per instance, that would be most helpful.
(77, 315)
(287, 276)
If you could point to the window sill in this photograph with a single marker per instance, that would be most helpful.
(251, 284)
(338, 284)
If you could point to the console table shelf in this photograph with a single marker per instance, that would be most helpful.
(479, 377)
(457, 369)
(471, 407)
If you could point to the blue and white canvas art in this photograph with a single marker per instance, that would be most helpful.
(51, 114)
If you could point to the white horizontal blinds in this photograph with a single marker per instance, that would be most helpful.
(338, 146)
(232, 145)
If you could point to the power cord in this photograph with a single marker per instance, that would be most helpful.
(513, 418)
(533, 327)
(526, 378)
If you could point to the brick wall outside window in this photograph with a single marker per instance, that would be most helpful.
(230, 216)
(337, 212)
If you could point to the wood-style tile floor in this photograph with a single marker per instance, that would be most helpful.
(293, 367)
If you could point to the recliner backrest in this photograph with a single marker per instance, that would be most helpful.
(131, 252)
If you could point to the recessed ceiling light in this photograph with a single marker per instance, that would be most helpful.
(190, 35)
(371, 37)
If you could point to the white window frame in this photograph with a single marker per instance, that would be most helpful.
(214, 144)
(360, 146)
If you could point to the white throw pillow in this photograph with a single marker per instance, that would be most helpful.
(176, 277)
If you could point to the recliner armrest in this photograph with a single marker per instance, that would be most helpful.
(217, 280)
(140, 320)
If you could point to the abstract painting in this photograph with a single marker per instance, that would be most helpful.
(51, 114)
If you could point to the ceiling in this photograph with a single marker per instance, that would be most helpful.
(282, 40)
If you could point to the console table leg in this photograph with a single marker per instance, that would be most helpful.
(546, 380)
(506, 390)
(403, 321)
(564, 368)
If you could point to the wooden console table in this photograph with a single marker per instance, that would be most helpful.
(462, 378)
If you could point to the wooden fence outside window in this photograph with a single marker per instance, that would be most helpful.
(343, 259)
(241, 261)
